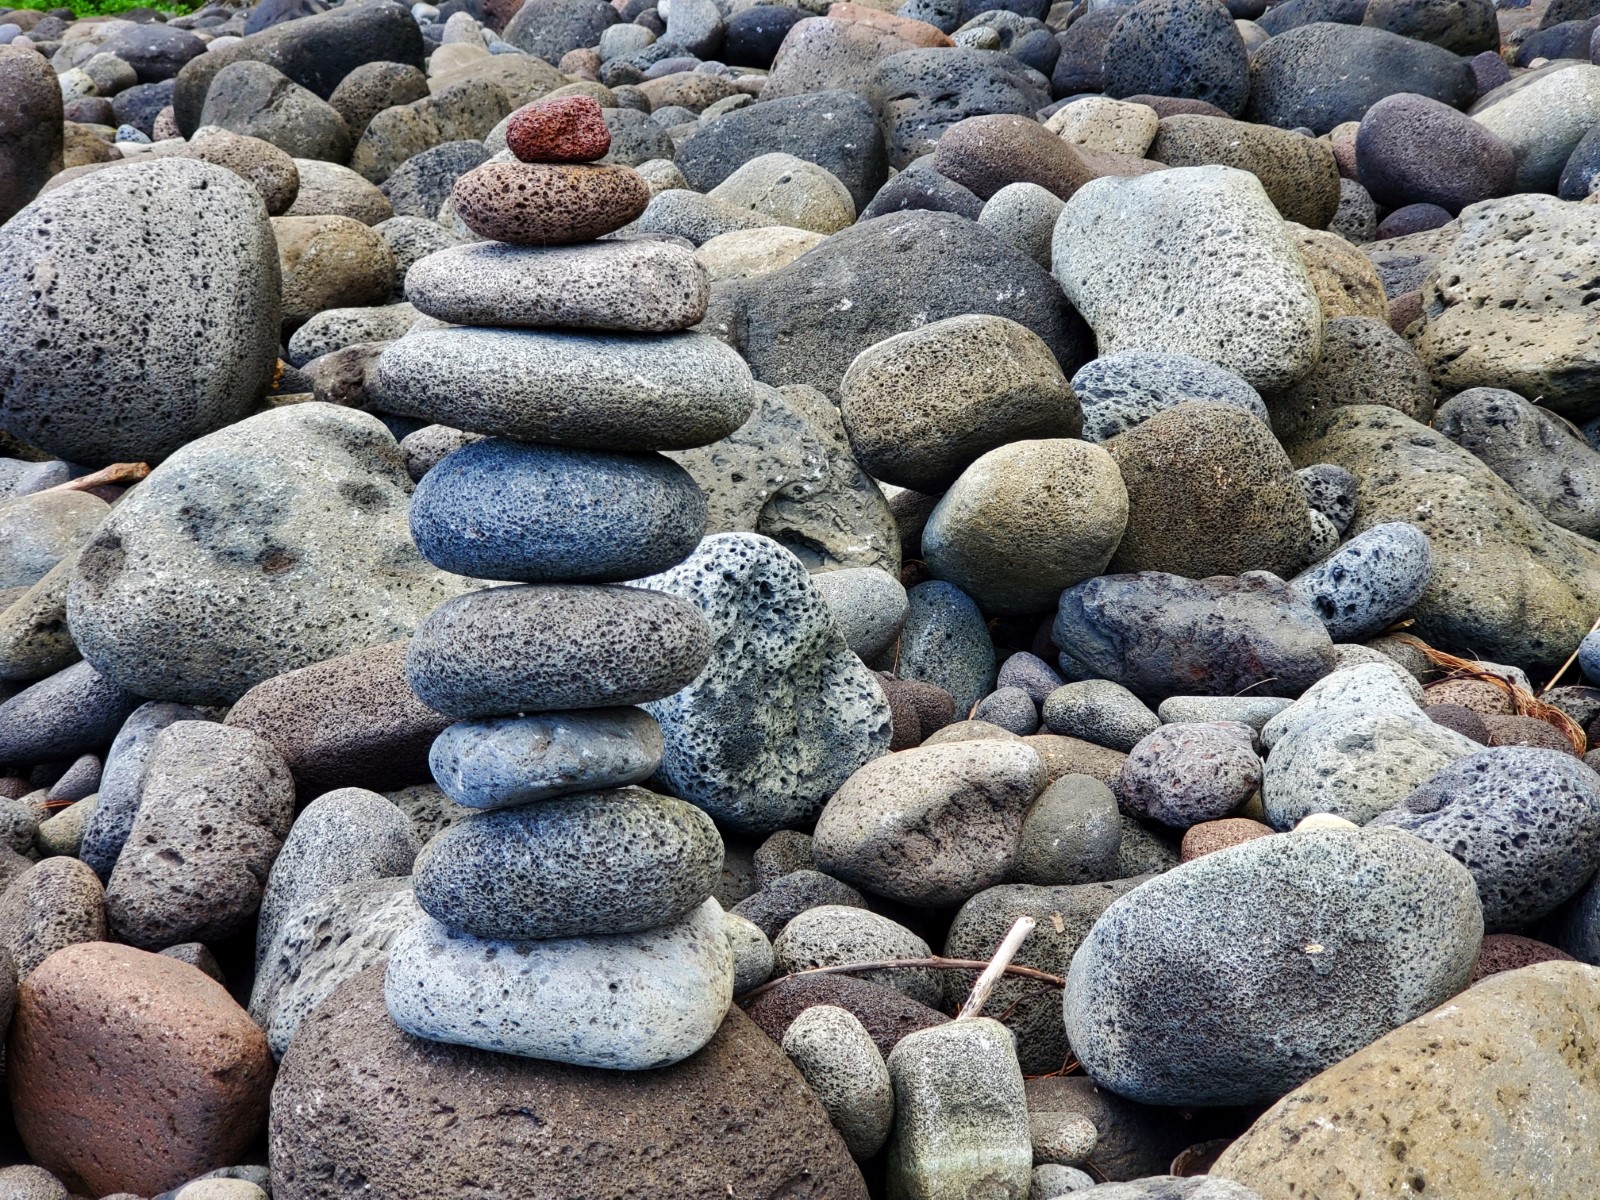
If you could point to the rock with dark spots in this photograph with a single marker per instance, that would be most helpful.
(1321, 75)
(919, 186)
(255, 100)
(1299, 173)
(547, 204)
(1080, 65)
(1413, 149)
(38, 531)
(1367, 931)
(372, 87)
(1463, 26)
(330, 261)
(653, 1133)
(1184, 48)
(830, 935)
(122, 782)
(548, 29)
(1186, 773)
(140, 105)
(421, 184)
(1369, 582)
(945, 641)
(561, 129)
(468, 109)
(55, 903)
(1160, 635)
(75, 711)
(827, 54)
(985, 153)
(1331, 491)
(1363, 362)
(1119, 391)
(919, 94)
(30, 127)
(783, 899)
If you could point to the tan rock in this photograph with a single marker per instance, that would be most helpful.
(330, 262)
(1101, 123)
(1346, 282)
(746, 253)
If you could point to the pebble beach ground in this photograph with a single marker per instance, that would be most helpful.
(885, 600)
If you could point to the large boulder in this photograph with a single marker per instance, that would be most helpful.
(1298, 173)
(1188, 49)
(30, 127)
(921, 93)
(130, 356)
(1507, 585)
(356, 1104)
(1476, 1098)
(1542, 118)
(271, 545)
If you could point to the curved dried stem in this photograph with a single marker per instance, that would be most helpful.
(935, 963)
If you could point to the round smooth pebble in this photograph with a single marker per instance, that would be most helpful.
(839, 1060)
(1072, 834)
(1012, 709)
(1210, 836)
(833, 934)
(752, 952)
(1101, 712)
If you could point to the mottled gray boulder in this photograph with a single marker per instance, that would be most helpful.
(37, 532)
(58, 902)
(122, 782)
(1364, 932)
(868, 605)
(463, 111)
(336, 328)
(1369, 582)
(945, 641)
(921, 93)
(255, 100)
(548, 29)
(1542, 120)
(1159, 634)
(1072, 834)
(784, 712)
(273, 544)
(75, 711)
(1098, 711)
(421, 184)
(932, 825)
(1183, 774)
(1188, 49)
(833, 934)
(129, 360)
(216, 806)
(780, 900)
(839, 1060)
(1119, 391)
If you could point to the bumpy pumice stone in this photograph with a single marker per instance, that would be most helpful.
(548, 204)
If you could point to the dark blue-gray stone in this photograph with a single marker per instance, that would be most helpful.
(1369, 582)
(122, 781)
(1122, 390)
(945, 641)
(72, 712)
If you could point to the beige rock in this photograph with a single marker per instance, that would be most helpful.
(746, 253)
(1346, 282)
(330, 262)
(789, 191)
(1100, 123)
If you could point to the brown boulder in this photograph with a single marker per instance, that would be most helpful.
(548, 204)
(132, 1071)
(362, 1108)
(1210, 836)
(886, 1014)
(984, 154)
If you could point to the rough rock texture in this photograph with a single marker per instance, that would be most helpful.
(267, 546)
(30, 127)
(783, 712)
(53, 903)
(887, 1015)
(1298, 173)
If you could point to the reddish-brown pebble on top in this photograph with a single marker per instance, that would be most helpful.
(133, 1072)
(548, 204)
(569, 129)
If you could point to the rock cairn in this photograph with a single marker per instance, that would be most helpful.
(571, 917)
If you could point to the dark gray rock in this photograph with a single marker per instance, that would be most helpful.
(945, 641)
(919, 186)
(1280, 18)
(550, 28)
(1011, 708)
(1413, 149)
(372, 87)
(1119, 391)
(1331, 491)
(781, 900)
(1464, 27)
(155, 50)
(1186, 773)
(139, 106)
(1184, 48)
(73, 712)
(122, 782)
(418, 186)
(30, 127)
(1030, 673)
(1072, 834)
(921, 93)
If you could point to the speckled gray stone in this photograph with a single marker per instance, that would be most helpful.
(26, 1181)
(34, 638)
(1023, 214)
(73, 711)
(1366, 930)
(783, 712)
(1051, 1182)
(1254, 711)
(58, 902)
(506, 761)
(273, 544)
(346, 836)
(1119, 391)
(1099, 711)
(580, 866)
(933, 825)
(752, 952)
(603, 391)
(1030, 673)
(628, 1002)
(62, 831)
(38, 531)
(122, 781)
(833, 934)
(216, 806)
(644, 286)
(1010, 708)
(839, 1060)
(945, 641)
(535, 648)
(1072, 834)
(868, 605)
(961, 1116)
(19, 821)
(1182, 774)
(498, 509)
(1061, 1137)
(412, 239)
(336, 328)
(781, 900)
(1330, 490)
(1369, 582)
(1524, 821)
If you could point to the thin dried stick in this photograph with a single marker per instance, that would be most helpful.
(1570, 659)
(119, 474)
(1003, 954)
(890, 964)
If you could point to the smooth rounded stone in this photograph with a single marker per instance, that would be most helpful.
(1183, 774)
(62, 833)
(31, 132)
(1523, 1033)
(1210, 492)
(630, 1002)
(57, 902)
(73, 712)
(908, 430)
(154, 1068)
(1057, 501)
(1159, 634)
(1184, 48)
(549, 29)
(215, 807)
(1210, 836)
(1254, 711)
(1011, 709)
(970, 730)
(1542, 121)
(832, 935)
(1111, 265)
(1030, 673)
(429, 446)
(920, 187)
(38, 531)
(1050, 1182)
(539, 204)
(122, 782)
(1522, 821)
(786, 190)
(419, 186)
(338, 328)
(26, 1181)
(961, 1115)
(257, 100)
(102, 383)
(886, 1014)
(643, 286)
(985, 153)
(578, 866)
(601, 391)
(1412, 149)
(1071, 835)
(930, 826)
(1527, 731)
(539, 648)
(1464, 26)
(946, 642)
(868, 606)
(837, 1056)
(370, 88)
(1299, 79)
(748, 253)
(34, 639)
(1298, 172)
(1101, 123)
(330, 262)
(676, 213)
(271, 171)
(1061, 1137)
(1369, 582)
(1369, 930)
(1538, 454)
(1023, 215)
(752, 952)
(1581, 171)
(1413, 218)
(780, 900)
(508, 761)
(737, 1114)
(412, 239)
(498, 509)
(1330, 490)
(346, 836)
(1461, 719)
(1123, 390)
(155, 51)
(1098, 711)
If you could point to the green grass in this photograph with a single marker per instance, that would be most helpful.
(100, 8)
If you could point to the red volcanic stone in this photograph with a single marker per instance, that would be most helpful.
(1210, 836)
(549, 204)
(133, 1072)
(571, 129)
(1510, 951)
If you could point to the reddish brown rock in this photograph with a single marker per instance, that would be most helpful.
(1510, 952)
(1210, 836)
(549, 204)
(133, 1072)
(886, 1014)
(569, 129)
(984, 154)
(1485, 699)
(1526, 731)
(918, 33)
